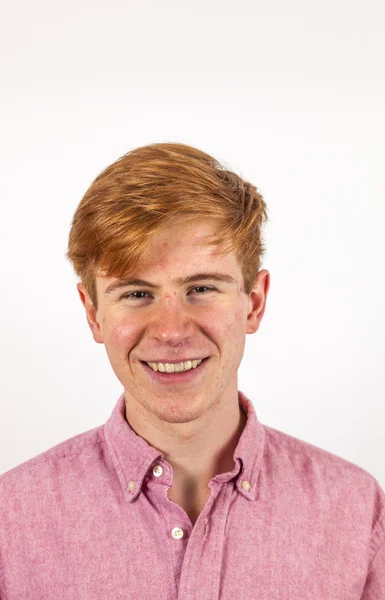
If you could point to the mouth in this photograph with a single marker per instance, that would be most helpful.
(186, 373)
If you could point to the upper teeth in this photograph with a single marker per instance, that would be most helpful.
(175, 367)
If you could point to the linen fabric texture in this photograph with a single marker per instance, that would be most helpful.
(89, 520)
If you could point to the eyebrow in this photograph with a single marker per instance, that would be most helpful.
(179, 281)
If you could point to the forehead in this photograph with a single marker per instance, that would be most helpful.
(187, 240)
(181, 250)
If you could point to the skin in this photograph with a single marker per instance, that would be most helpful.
(195, 425)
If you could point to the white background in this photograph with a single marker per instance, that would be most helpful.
(289, 94)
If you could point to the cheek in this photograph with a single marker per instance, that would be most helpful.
(239, 320)
(234, 333)
(234, 323)
(228, 324)
(120, 334)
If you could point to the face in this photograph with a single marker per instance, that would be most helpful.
(189, 305)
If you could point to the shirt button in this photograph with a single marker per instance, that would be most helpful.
(245, 485)
(132, 486)
(177, 533)
(157, 471)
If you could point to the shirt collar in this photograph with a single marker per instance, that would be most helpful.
(133, 457)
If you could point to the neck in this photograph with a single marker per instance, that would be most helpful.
(196, 451)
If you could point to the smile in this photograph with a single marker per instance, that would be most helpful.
(179, 367)
(179, 373)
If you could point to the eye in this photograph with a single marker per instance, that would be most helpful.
(204, 287)
(141, 294)
(133, 295)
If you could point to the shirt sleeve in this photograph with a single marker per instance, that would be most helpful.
(375, 582)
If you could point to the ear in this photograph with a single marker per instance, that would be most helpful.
(257, 301)
(90, 313)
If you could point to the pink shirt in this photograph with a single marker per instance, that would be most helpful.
(90, 519)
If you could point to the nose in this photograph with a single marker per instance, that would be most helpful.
(172, 324)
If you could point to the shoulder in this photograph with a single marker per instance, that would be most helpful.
(321, 475)
(58, 462)
(309, 462)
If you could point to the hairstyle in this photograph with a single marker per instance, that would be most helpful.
(145, 191)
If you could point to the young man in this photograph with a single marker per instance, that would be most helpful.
(183, 493)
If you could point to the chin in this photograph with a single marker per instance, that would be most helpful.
(177, 410)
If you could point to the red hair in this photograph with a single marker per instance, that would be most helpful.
(143, 192)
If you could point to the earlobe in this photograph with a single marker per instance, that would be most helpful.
(90, 314)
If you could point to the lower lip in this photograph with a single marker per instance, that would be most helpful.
(185, 377)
